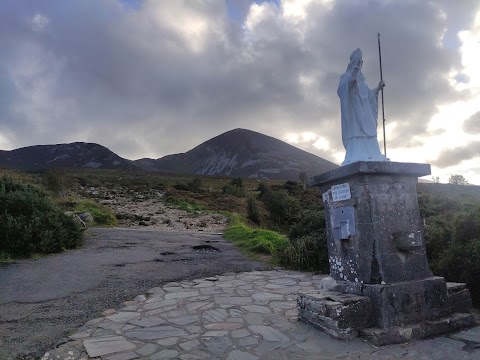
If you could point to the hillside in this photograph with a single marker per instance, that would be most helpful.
(79, 154)
(236, 153)
(242, 153)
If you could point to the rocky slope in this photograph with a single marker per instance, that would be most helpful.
(148, 210)
(77, 154)
(242, 153)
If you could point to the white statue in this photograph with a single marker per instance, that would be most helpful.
(359, 107)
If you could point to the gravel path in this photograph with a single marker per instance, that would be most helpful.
(43, 301)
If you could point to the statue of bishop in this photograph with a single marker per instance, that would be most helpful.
(359, 108)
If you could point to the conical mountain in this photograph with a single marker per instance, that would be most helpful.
(242, 153)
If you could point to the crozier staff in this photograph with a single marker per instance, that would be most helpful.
(359, 109)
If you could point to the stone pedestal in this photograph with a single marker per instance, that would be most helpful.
(376, 250)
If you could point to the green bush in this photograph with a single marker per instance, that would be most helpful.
(237, 182)
(253, 214)
(101, 214)
(263, 188)
(312, 222)
(307, 249)
(195, 185)
(234, 190)
(306, 253)
(31, 223)
(284, 209)
(181, 187)
(292, 187)
(453, 248)
(58, 182)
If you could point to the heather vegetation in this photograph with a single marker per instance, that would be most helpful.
(278, 221)
(452, 232)
(31, 223)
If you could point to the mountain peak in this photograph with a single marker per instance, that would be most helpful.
(243, 153)
(239, 153)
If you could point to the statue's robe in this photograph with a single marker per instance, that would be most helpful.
(359, 109)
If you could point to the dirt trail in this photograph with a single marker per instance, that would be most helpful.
(147, 209)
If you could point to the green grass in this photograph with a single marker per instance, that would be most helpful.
(185, 205)
(102, 215)
(254, 241)
(5, 258)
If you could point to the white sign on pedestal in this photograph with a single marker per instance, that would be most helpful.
(341, 192)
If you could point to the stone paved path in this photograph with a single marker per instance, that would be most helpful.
(242, 316)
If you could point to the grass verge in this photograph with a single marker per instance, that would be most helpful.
(185, 205)
(260, 244)
(102, 215)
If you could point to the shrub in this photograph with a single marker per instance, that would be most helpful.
(195, 185)
(181, 186)
(307, 249)
(237, 182)
(234, 190)
(312, 222)
(253, 214)
(306, 253)
(31, 223)
(263, 188)
(58, 182)
(453, 246)
(292, 187)
(284, 209)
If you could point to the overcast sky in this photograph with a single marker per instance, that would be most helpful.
(147, 78)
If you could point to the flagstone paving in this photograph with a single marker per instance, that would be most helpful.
(244, 316)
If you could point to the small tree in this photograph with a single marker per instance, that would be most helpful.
(238, 182)
(195, 184)
(284, 208)
(457, 179)
(436, 179)
(59, 182)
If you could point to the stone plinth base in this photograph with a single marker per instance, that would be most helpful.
(403, 303)
(339, 315)
(427, 329)
(377, 256)
(459, 299)
(386, 318)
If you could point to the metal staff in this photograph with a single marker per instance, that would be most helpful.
(383, 106)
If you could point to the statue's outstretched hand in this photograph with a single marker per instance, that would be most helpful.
(380, 86)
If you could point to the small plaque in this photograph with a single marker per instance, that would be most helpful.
(343, 222)
(341, 192)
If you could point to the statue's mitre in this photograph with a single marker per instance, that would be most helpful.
(357, 54)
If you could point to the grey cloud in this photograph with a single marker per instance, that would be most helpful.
(472, 124)
(111, 74)
(456, 155)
